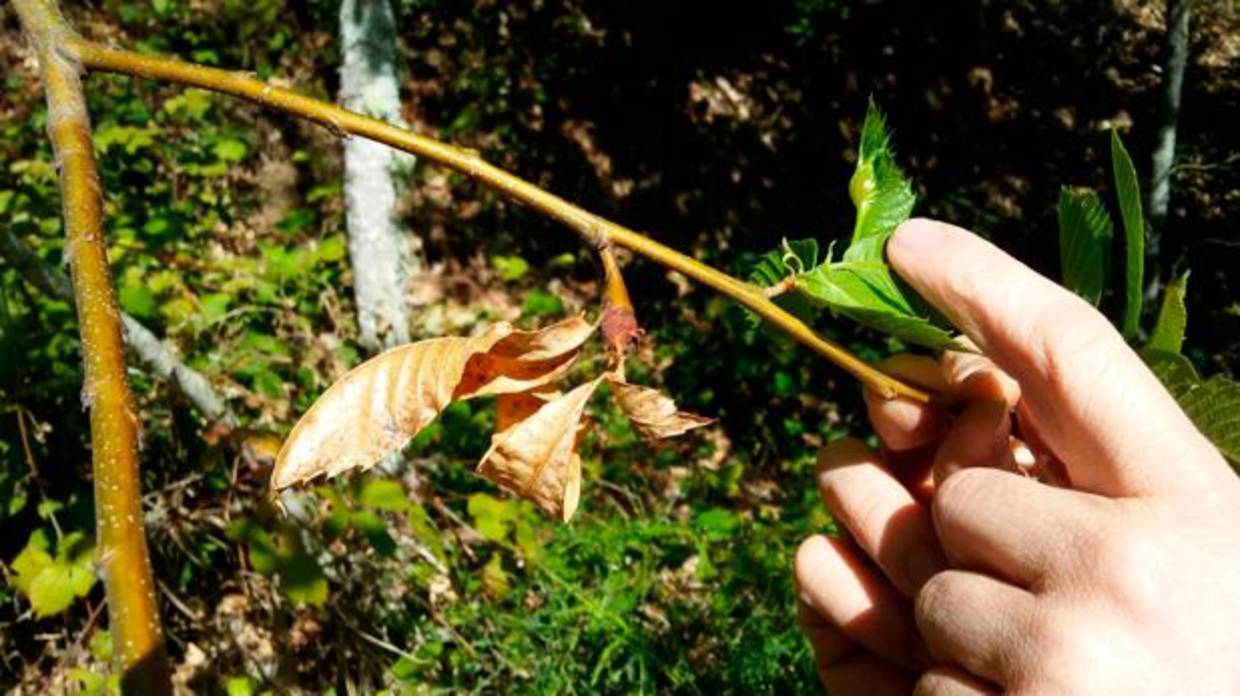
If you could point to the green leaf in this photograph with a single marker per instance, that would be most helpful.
(303, 580)
(1129, 193)
(229, 149)
(1214, 408)
(1085, 232)
(383, 494)
(492, 517)
(1212, 405)
(1175, 371)
(1168, 333)
(31, 561)
(540, 303)
(510, 268)
(867, 293)
(792, 258)
(52, 590)
(881, 193)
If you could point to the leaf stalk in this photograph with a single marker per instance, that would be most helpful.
(594, 229)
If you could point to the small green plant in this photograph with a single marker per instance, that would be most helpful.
(1085, 248)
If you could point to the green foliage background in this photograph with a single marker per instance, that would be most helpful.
(722, 130)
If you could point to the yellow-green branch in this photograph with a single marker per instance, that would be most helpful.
(593, 228)
(121, 544)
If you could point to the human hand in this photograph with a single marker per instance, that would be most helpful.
(966, 576)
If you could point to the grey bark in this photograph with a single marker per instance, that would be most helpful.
(1173, 84)
(382, 258)
(157, 357)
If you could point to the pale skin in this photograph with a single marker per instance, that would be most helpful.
(1111, 565)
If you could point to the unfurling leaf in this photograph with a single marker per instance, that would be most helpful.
(653, 415)
(1168, 332)
(1129, 193)
(536, 458)
(1085, 232)
(867, 293)
(881, 193)
(380, 405)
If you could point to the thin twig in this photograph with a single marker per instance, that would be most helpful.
(593, 228)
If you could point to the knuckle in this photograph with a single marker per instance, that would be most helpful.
(1068, 334)
(1124, 569)
(960, 491)
(933, 600)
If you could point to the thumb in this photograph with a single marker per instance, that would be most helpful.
(1100, 410)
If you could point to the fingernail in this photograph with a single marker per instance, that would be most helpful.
(919, 235)
(924, 561)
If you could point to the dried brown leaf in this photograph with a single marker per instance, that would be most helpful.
(525, 360)
(653, 415)
(380, 405)
(536, 458)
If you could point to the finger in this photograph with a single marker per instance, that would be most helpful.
(903, 424)
(949, 681)
(975, 621)
(879, 513)
(1010, 525)
(828, 643)
(979, 438)
(1085, 387)
(847, 594)
(864, 674)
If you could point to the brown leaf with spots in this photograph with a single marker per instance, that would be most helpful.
(653, 415)
(380, 405)
(536, 457)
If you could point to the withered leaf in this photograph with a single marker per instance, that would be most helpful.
(380, 405)
(653, 415)
(525, 360)
(536, 457)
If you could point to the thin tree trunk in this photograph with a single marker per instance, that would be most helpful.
(1173, 84)
(381, 256)
(133, 612)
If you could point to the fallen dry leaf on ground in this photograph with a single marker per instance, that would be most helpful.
(380, 405)
(653, 415)
(536, 458)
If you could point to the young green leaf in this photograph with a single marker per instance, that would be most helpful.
(773, 267)
(1168, 333)
(867, 293)
(1129, 193)
(1085, 232)
(881, 193)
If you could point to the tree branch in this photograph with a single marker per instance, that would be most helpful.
(592, 228)
(133, 613)
(157, 357)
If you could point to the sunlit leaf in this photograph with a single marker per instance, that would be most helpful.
(867, 293)
(537, 458)
(1129, 193)
(1085, 232)
(881, 193)
(1168, 334)
(1214, 407)
(380, 405)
